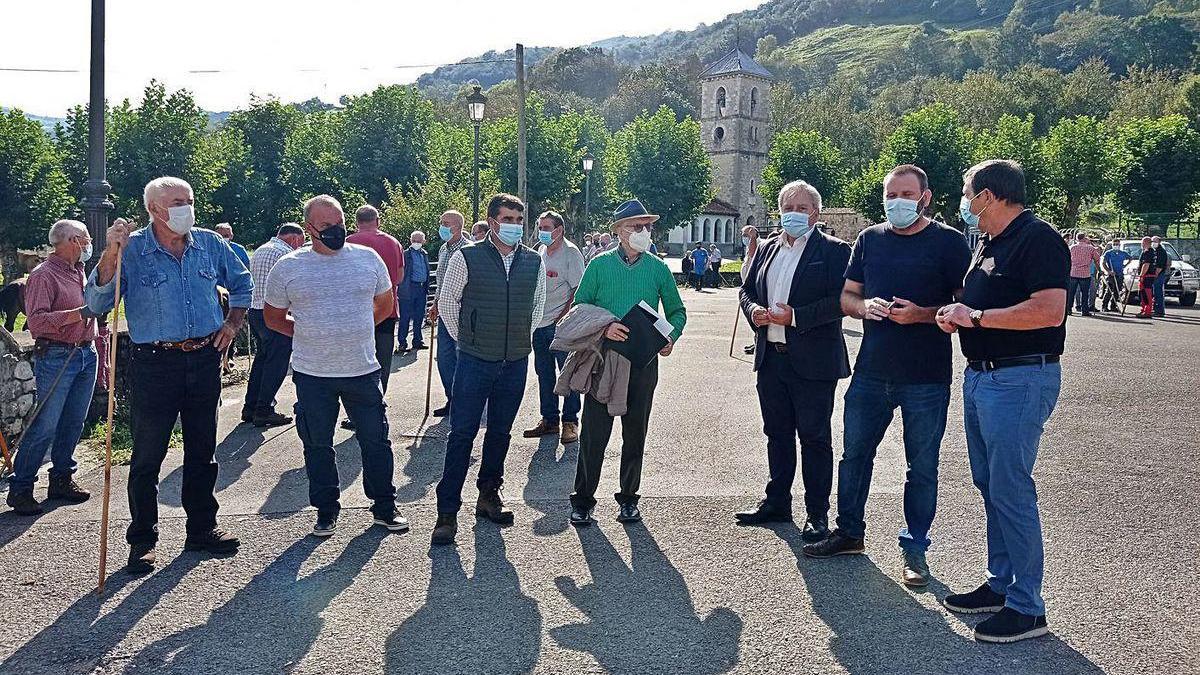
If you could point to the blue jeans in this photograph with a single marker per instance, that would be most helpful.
(1004, 412)
(546, 363)
(412, 312)
(60, 422)
(317, 413)
(1080, 285)
(447, 359)
(500, 385)
(870, 405)
(1160, 292)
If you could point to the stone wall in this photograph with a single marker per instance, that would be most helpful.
(17, 385)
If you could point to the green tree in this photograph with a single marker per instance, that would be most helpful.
(256, 197)
(1013, 138)
(1080, 162)
(387, 140)
(552, 155)
(662, 162)
(313, 164)
(1186, 101)
(591, 135)
(33, 189)
(1160, 166)
(1142, 93)
(805, 155)
(587, 72)
(1165, 42)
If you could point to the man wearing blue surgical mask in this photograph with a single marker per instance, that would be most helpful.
(900, 272)
(492, 297)
(791, 298)
(450, 230)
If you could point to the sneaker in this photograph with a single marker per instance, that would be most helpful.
(325, 527)
(141, 559)
(215, 540)
(629, 513)
(580, 516)
(394, 522)
(1009, 625)
(978, 601)
(835, 544)
(23, 503)
(570, 433)
(445, 529)
(543, 428)
(66, 489)
(271, 419)
(916, 569)
(247, 416)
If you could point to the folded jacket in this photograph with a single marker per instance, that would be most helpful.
(590, 369)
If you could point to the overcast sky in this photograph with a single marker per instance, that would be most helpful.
(297, 49)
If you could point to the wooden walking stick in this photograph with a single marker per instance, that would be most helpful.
(737, 315)
(429, 374)
(108, 432)
(8, 467)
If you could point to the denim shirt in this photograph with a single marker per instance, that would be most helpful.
(168, 299)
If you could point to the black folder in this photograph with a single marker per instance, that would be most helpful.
(645, 339)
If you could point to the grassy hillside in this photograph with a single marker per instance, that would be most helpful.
(858, 46)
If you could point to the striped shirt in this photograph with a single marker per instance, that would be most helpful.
(261, 262)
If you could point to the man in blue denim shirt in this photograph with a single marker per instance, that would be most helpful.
(169, 278)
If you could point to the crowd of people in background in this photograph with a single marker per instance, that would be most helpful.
(1096, 273)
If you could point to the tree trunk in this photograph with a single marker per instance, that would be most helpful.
(1071, 212)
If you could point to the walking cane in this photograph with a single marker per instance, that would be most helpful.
(8, 466)
(108, 433)
(737, 315)
(429, 373)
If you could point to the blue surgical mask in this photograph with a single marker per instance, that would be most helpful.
(445, 233)
(546, 238)
(86, 254)
(964, 210)
(795, 223)
(901, 213)
(745, 242)
(511, 233)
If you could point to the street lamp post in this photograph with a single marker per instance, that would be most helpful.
(587, 190)
(95, 202)
(476, 103)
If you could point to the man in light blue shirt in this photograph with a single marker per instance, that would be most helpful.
(1113, 261)
(169, 277)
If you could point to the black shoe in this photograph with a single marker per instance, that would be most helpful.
(23, 503)
(490, 505)
(442, 411)
(66, 489)
(629, 513)
(419, 347)
(402, 349)
(766, 512)
(348, 424)
(978, 601)
(1160, 314)
(271, 419)
(581, 517)
(815, 530)
(215, 540)
(749, 349)
(141, 559)
(445, 529)
(835, 544)
(1009, 625)
(325, 527)
(393, 522)
(1085, 313)
(247, 416)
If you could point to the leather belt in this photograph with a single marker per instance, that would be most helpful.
(46, 343)
(779, 347)
(188, 345)
(995, 364)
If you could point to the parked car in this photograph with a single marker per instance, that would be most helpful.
(1182, 284)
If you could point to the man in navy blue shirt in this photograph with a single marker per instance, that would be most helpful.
(413, 291)
(900, 273)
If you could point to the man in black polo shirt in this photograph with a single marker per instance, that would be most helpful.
(1011, 328)
(900, 273)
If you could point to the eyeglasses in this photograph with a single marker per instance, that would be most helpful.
(640, 227)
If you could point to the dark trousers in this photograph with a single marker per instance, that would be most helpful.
(316, 414)
(1080, 286)
(546, 363)
(596, 430)
(447, 359)
(166, 385)
(716, 274)
(1115, 296)
(385, 346)
(500, 385)
(412, 311)
(269, 368)
(697, 279)
(796, 407)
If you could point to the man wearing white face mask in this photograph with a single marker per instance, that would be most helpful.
(413, 291)
(900, 272)
(169, 277)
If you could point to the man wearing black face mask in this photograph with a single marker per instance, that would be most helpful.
(336, 294)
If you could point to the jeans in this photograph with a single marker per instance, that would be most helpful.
(447, 359)
(697, 278)
(1079, 285)
(166, 385)
(1160, 292)
(316, 414)
(269, 368)
(412, 312)
(596, 430)
(385, 346)
(1116, 293)
(60, 422)
(870, 405)
(546, 363)
(500, 385)
(1004, 412)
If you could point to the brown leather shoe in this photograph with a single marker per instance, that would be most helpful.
(141, 559)
(570, 433)
(543, 428)
(491, 506)
(66, 489)
(444, 530)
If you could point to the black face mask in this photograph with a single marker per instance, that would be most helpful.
(333, 237)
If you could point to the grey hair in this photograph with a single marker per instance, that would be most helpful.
(413, 235)
(155, 189)
(462, 220)
(319, 199)
(64, 230)
(798, 185)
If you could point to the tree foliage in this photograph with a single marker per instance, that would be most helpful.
(1159, 169)
(805, 155)
(34, 191)
(1080, 162)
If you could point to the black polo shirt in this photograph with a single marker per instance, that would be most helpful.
(1162, 261)
(1149, 261)
(1027, 257)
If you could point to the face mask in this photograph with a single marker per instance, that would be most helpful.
(745, 242)
(901, 213)
(181, 218)
(510, 233)
(640, 241)
(795, 223)
(86, 254)
(1154, 244)
(445, 233)
(417, 246)
(546, 238)
(333, 237)
(964, 210)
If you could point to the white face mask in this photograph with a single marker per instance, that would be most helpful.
(417, 246)
(640, 241)
(181, 218)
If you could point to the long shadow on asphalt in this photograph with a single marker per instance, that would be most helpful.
(13, 524)
(426, 458)
(269, 625)
(290, 494)
(641, 616)
(550, 480)
(484, 623)
(232, 455)
(80, 639)
(878, 626)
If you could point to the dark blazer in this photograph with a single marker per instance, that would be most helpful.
(815, 345)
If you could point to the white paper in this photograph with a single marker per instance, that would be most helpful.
(660, 322)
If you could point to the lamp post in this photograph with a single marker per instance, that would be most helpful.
(587, 190)
(476, 103)
(95, 202)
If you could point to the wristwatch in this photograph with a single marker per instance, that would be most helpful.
(977, 318)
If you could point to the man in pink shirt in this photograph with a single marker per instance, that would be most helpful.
(1083, 256)
(366, 218)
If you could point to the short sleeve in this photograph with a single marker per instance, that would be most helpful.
(383, 280)
(276, 294)
(958, 259)
(574, 267)
(854, 269)
(1046, 263)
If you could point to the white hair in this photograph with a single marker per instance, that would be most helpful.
(457, 215)
(64, 230)
(155, 189)
(319, 199)
(796, 186)
(223, 226)
(413, 237)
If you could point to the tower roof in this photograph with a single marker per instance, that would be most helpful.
(736, 62)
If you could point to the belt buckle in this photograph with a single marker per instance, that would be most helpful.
(189, 346)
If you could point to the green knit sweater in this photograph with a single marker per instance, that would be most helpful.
(616, 286)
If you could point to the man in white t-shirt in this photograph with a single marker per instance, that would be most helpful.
(336, 294)
(563, 263)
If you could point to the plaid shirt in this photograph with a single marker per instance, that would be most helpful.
(53, 294)
(261, 262)
(448, 249)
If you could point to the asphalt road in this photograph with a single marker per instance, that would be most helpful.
(687, 591)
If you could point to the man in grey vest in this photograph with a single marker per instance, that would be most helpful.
(491, 298)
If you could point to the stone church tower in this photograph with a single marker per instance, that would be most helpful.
(735, 93)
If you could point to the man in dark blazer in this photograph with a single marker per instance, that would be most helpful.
(791, 298)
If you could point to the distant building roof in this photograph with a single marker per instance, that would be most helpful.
(719, 207)
(736, 61)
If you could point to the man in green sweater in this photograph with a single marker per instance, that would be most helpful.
(617, 280)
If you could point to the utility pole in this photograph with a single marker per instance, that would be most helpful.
(96, 206)
(521, 126)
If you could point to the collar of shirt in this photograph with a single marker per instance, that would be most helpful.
(799, 241)
(150, 242)
(625, 258)
(62, 263)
